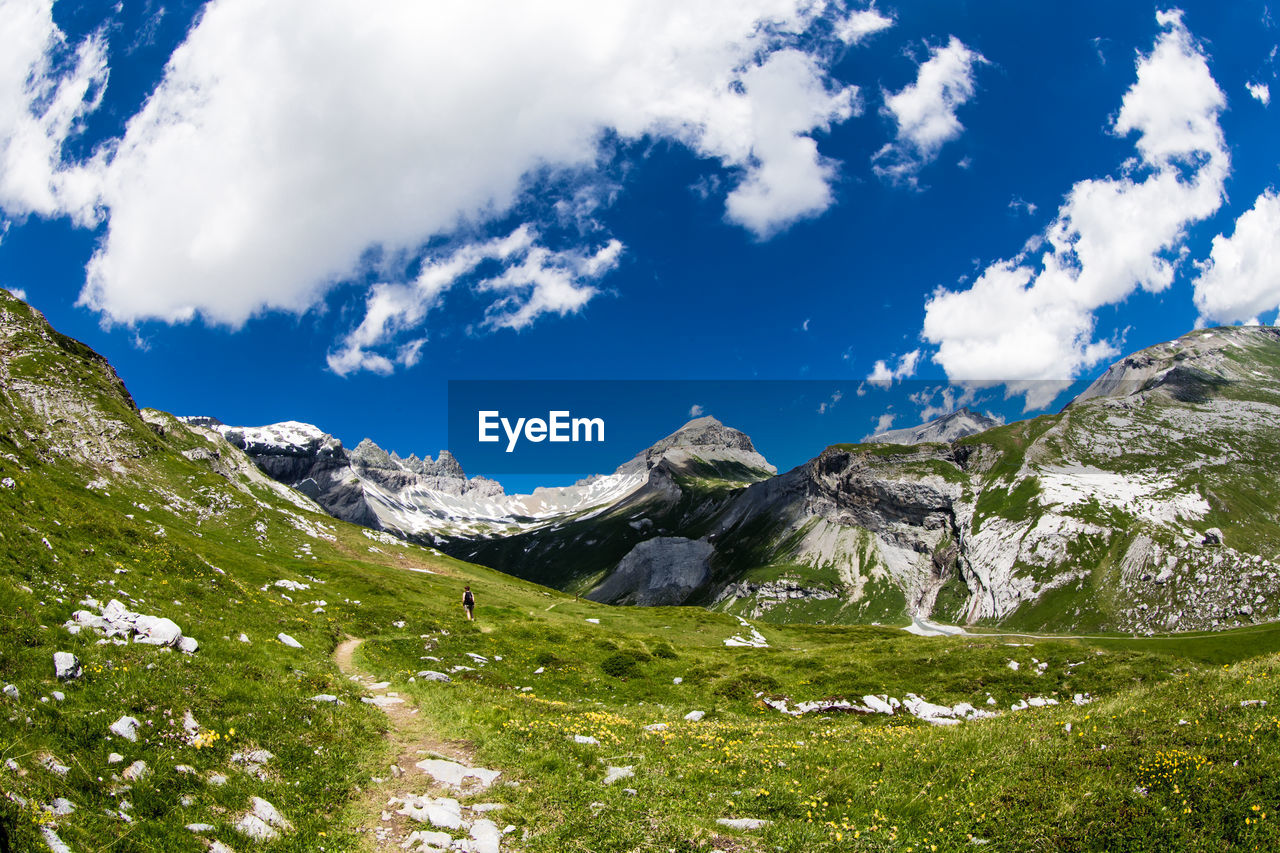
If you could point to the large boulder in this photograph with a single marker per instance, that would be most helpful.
(658, 572)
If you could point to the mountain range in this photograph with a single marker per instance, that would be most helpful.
(1138, 507)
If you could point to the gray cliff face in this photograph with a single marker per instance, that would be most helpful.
(657, 572)
(72, 404)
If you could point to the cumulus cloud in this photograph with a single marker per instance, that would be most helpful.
(47, 86)
(696, 410)
(283, 149)
(883, 375)
(18, 292)
(1241, 278)
(830, 403)
(1024, 324)
(1260, 92)
(883, 423)
(862, 24)
(532, 281)
(924, 112)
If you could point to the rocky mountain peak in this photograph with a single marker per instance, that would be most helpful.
(943, 430)
(1191, 367)
(706, 439)
(366, 454)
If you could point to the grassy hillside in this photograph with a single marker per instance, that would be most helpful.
(1177, 752)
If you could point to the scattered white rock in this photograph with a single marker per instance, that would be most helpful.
(53, 765)
(440, 812)
(656, 727)
(454, 775)
(485, 837)
(327, 697)
(126, 727)
(135, 771)
(586, 740)
(11, 691)
(677, 680)
(62, 807)
(613, 774)
(269, 814)
(742, 823)
(56, 844)
(427, 840)
(880, 705)
(219, 847)
(288, 641)
(382, 701)
(66, 666)
(695, 716)
(200, 827)
(256, 828)
(1013, 665)
(117, 621)
(244, 638)
(115, 758)
(292, 585)
(58, 695)
(594, 621)
(432, 675)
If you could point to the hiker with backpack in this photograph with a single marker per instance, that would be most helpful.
(468, 602)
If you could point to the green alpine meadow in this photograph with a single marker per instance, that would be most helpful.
(197, 657)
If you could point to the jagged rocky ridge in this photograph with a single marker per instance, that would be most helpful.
(945, 429)
(1093, 518)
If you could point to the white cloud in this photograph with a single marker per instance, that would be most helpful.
(533, 281)
(925, 111)
(883, 423)
(1023, 326)
(829, 404)
(1019, 205)
(283, 148)
(1261, 92)
(861, 24)
(696, 410)
(883, 375)
(18, 292)
(938, 401)
(1241, 278)
(47, 86)
(786, 179)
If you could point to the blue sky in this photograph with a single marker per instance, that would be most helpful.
(263, 214)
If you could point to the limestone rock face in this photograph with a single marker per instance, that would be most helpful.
(661, 571)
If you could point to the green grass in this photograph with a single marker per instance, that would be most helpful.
(1167, 758)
